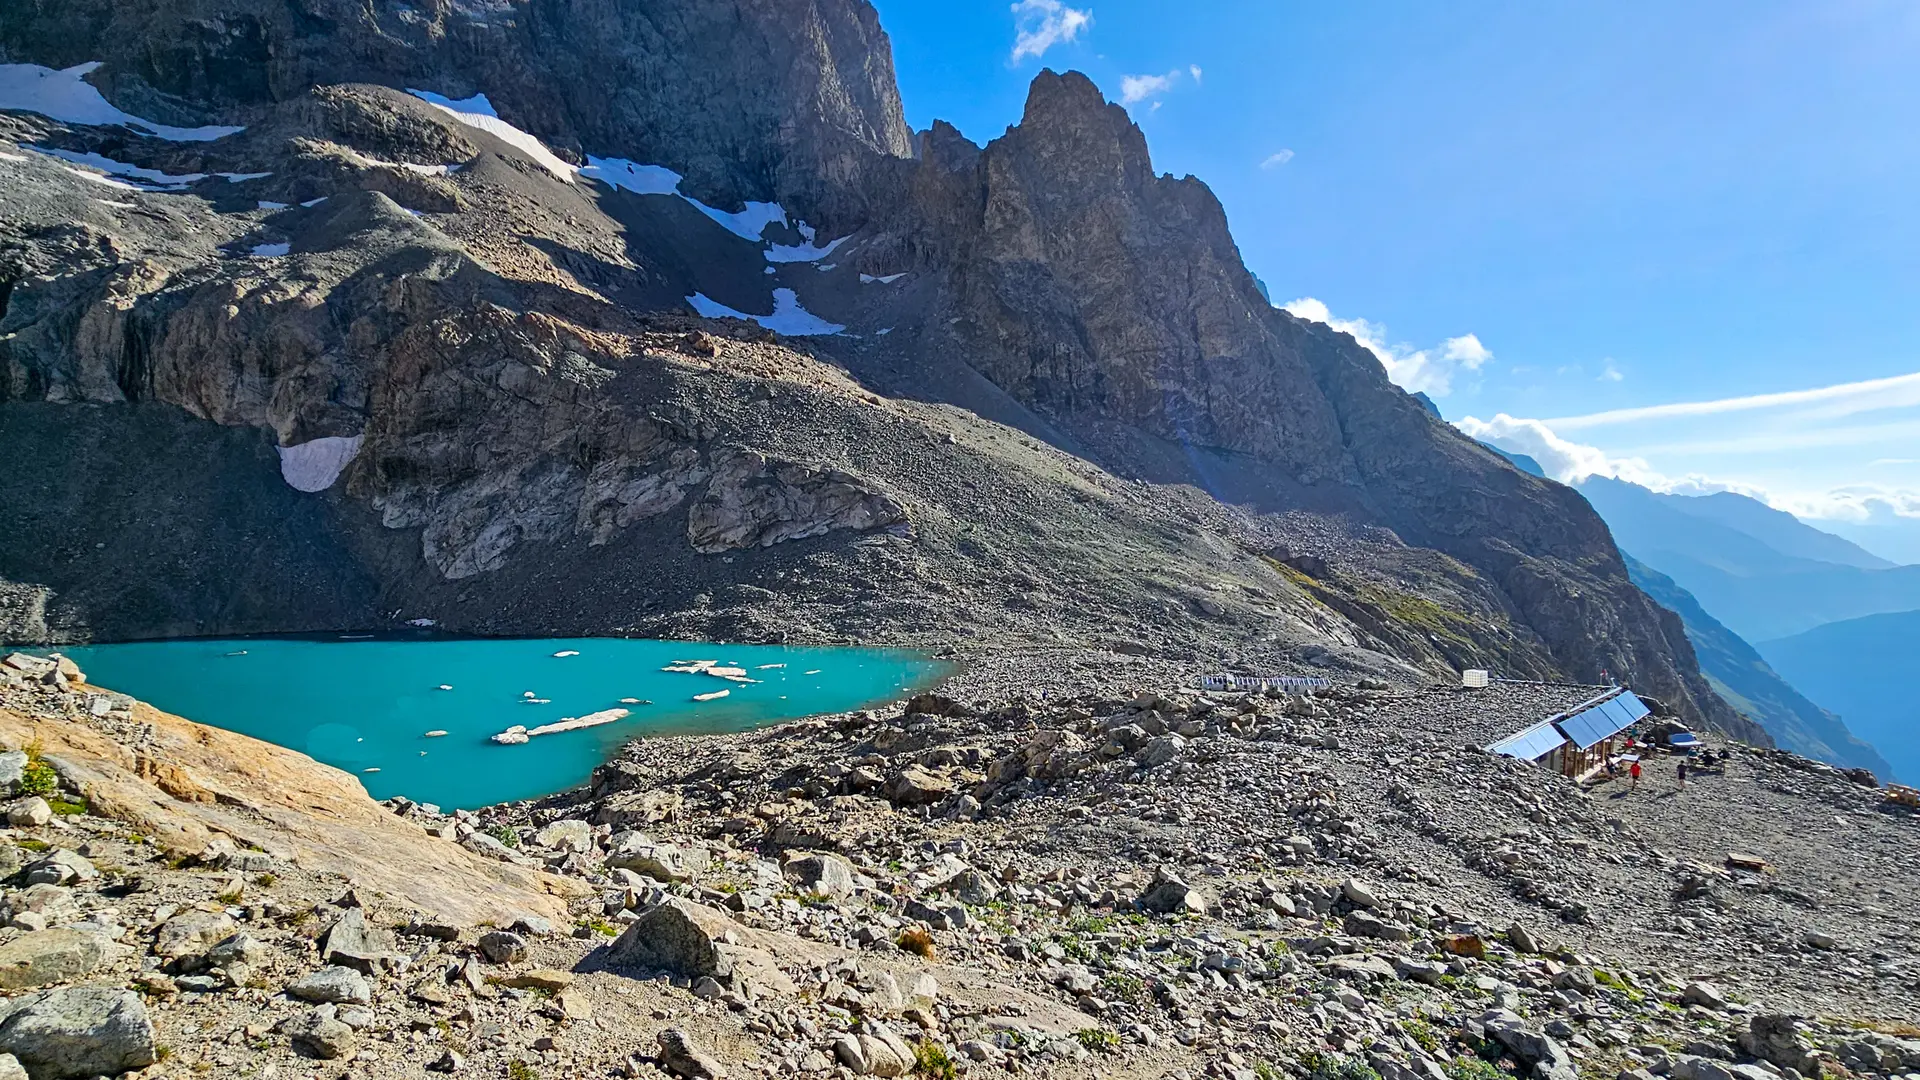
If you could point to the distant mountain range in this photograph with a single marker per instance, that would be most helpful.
(1741, 674)
(1735, 569)
(1864, 668)
(1763, 573)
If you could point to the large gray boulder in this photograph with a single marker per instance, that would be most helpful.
(44, 957)
(340, 985)
(1549, 1059)
(826, 875)
(1168, 895)
(80, 1031)
(355, 943)
(677, 936)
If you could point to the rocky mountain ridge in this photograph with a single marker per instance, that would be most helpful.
(448, 309)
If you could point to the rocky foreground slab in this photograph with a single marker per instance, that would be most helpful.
(1125, 884)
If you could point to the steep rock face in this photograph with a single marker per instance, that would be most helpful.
(785, 100)
(1114, 300)
(1092, 289)
(455, 364)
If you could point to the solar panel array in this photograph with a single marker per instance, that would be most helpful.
(1532, 744)
(1610, 717)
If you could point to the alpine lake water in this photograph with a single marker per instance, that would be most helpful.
(416, 717)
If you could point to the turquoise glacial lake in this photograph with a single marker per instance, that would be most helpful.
(367, 706)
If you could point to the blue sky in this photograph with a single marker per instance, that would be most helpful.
(1560, 213)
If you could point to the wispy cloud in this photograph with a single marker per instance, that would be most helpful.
(1845, 399)
(1135, 89)
(1277, 159)
(1571, 462)
(1611, 372)
(1039, 25)
(1429, 371)
(1194, 70)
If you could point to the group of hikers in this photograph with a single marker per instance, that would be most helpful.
(1687, 763)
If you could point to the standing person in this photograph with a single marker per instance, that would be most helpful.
(1681, 772)
(1635, 771)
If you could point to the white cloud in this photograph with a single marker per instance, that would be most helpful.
(1466, 351)
(1611, 372)
(1571, 462)
(1845, 399)
(1194, 70)
(1413, 370)
(1039, 25)
(1566, 461)
(1137, 88)
(1277, 159)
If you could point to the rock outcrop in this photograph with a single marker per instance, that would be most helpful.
(206, 793)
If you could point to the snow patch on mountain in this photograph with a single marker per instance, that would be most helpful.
(788, 317)
(315, 465)
(131, 177)
(478, 113)
(66, 96)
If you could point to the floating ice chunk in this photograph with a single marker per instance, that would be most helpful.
(436, 733)
(632, 176)
(788, 316)
(316, 464)
(568, 652)
(807, 252)
(712, 696)
(477, 112)
(869, 279)
(513, 736)
(67, 97)
(144, 179)
(272, 251)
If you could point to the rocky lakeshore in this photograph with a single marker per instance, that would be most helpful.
(1098, 880)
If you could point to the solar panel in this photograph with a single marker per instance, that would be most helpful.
(1530, 745)
(1610, 717)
